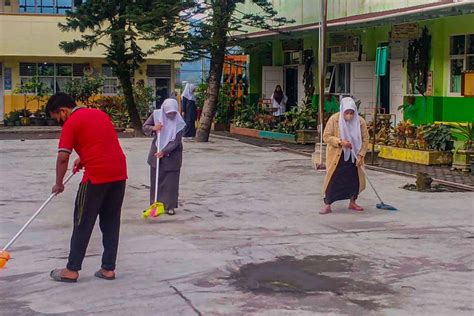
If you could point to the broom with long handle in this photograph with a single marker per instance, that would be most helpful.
(4, 254)
(157, 208)
(322, 63)
(381, 205)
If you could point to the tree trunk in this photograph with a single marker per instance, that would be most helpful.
(210, 104)
(221, 17)
(127, 88)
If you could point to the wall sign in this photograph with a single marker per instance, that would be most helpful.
(345, 47)
(429, 84)
(407, 31)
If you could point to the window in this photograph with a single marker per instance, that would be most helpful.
(338, 78)
(27, 71)
(55, 76)
(110, 80)
(461, 58)
(293, 58)
(46, 6)
(46, 75)
(63, 76)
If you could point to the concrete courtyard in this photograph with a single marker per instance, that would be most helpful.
(247, 240)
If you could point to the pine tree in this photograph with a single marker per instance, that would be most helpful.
(212, 34)
(120, 26)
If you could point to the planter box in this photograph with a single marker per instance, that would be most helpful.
(416, 156)
(244, 131)
(250, 132)
(289, 138)
(368, 157)
(220, 127)
(306, 136)
(462, 160)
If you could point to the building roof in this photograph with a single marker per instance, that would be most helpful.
(395, 16)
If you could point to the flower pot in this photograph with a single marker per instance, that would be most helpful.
(25, 121)
(51, 122)
(462, 160)
(10, 123)
(18, 123)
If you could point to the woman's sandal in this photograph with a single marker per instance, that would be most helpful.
(170, 212)
(56, 275)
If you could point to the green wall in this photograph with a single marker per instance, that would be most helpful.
(277, 53)
(441, 30)
(447, 109)
(458, 109)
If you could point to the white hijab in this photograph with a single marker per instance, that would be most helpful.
(350, 130)
(171, 127)
(188, 92)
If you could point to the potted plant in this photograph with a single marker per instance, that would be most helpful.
(25, 117)
(32, 90)
(222, 117)
(38, 118)
(10, 118)
(14, 118)
(438, 137)
(463, 155)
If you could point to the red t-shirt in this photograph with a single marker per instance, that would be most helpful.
(91, 134)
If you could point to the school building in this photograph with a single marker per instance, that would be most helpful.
(29, 46)
(355, 30)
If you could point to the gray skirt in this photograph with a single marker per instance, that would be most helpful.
(168, 187)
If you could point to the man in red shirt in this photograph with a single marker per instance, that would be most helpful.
(91, 134)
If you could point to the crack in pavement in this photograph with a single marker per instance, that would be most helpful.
(187, 300)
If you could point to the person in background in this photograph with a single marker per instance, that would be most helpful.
(279, 100)
(189, 110)
(167, 124)
(347, 141)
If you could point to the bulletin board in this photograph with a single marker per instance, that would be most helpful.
(467, 84)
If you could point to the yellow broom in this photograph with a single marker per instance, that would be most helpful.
(157, 208)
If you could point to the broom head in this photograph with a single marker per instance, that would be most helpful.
(384, 206)
(4, 256)
(154, 210)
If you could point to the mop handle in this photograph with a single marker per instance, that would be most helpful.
(368, 179)
(157, 173)
(35, 215)
(321, 144)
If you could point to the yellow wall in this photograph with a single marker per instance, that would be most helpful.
(39, 35)
(16, 102)
(35, 38)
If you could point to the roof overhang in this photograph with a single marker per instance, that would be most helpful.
(396, 16)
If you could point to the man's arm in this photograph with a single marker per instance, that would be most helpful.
(62, 163)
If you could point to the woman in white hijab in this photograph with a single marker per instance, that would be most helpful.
(189, 110)
(168, 125)
(347, 141)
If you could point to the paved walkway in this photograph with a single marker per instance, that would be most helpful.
(443, 173)
(246, 240)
